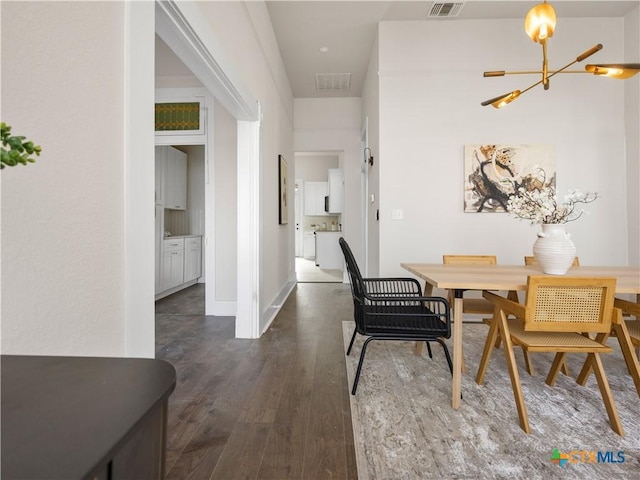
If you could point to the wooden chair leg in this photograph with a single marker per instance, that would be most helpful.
(583, 376)
(629, 355)
(527, 362)
(513, 373)
(486, 353)
(487, 321)
(558, 361)
(565, 369)
(609, 404)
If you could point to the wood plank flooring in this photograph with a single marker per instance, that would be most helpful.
(272, 408)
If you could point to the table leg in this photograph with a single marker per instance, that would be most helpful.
(457, 349)
(418, 347)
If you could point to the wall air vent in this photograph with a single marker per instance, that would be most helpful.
(445, 9)
(333, 82)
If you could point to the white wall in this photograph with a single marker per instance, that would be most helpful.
(334, 124)
(225, 159)
(371, 110)
(63, 258)
(245, 31)
(315, 168)
(430, 92)
(632, 132)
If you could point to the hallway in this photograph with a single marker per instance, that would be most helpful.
(308, 272)
(272, 408)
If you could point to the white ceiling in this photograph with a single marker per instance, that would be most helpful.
(347, 29)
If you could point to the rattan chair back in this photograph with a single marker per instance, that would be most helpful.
(569, 304)
(530, 260)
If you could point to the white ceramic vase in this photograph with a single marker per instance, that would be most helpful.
(554, 250)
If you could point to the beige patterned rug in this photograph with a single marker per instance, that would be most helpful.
(404, 426)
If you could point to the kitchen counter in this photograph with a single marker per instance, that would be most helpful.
(170, 237)
(328, 253)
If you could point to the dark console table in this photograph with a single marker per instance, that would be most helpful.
(84, 418)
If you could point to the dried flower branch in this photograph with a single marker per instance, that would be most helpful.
(540, 205)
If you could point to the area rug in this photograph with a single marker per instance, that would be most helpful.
(405, 428)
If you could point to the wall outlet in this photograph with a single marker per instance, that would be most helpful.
(397, 214)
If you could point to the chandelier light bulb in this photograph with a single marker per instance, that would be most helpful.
(540, 22)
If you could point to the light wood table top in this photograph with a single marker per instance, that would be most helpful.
(512, 277)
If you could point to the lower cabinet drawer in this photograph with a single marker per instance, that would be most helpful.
(173, 245)
(193, 242)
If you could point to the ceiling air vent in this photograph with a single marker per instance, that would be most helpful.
(333, 82)
(445, 9)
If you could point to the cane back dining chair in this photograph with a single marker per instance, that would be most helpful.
(530, 260)
(471, 305)
(394, 309)
(627, 331)
(557, 316)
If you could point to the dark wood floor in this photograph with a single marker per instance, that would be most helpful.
(272, 408)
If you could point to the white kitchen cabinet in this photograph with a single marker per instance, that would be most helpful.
(176, 180)
(172, 263)
(161, 170)
(192, 258)
(171, 178)
(336, 190)
(159, 232)
(314, 193)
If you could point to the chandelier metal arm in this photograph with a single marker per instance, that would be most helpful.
(509, 97)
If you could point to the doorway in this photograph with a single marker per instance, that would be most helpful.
(318, 255)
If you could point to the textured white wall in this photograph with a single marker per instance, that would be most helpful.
(632, 131)
(431, 87)
(62, 218)
(245, 31)
(226, 167)
(371, 109)
(315, 168)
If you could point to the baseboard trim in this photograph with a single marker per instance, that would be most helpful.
(225, 308)
(173, 290)
(272, 310)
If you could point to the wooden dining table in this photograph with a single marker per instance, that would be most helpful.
(460, 278)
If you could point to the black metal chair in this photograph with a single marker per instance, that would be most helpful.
(394, 309)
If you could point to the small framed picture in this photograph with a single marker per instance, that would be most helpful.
(283, 198)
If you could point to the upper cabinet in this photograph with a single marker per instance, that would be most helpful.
(161, 168)
(171, 178)
(314, 193)
(336, 190)
(176, 184)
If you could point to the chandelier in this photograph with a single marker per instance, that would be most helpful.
(540, 24)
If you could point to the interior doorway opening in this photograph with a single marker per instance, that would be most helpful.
(179, 218)
(319, 200)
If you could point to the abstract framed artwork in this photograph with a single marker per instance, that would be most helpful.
(494, 172)
(283, 199)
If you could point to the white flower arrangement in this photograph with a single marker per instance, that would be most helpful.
(536, 200)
